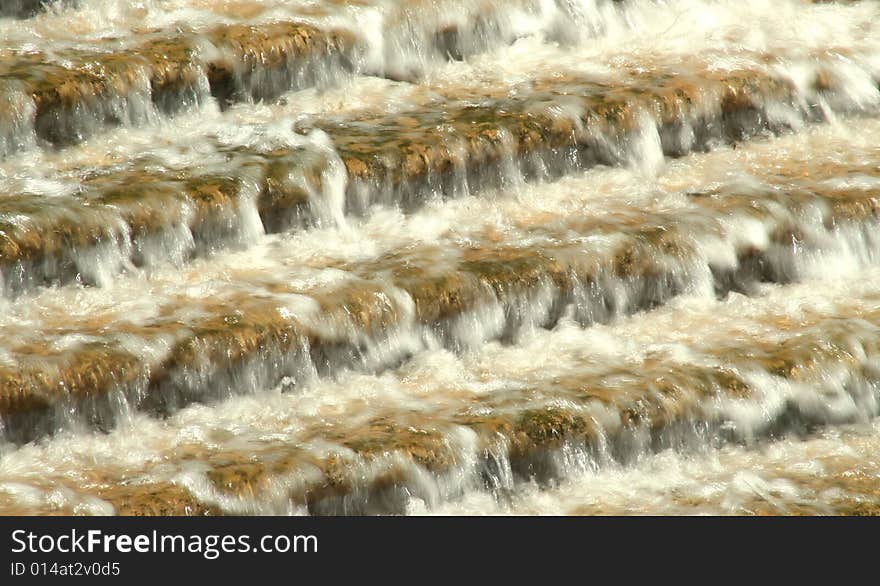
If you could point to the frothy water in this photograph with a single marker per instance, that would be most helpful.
(833, 472)
(476, 257)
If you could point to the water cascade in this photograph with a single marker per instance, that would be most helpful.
(413, 257)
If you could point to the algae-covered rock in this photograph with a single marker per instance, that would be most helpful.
(155, 499)
(382, 437)
(547, 428)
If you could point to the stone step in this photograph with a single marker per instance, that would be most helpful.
(241, 322)
(149, 210)
(62, 94)
(68, 96)
(737, 370)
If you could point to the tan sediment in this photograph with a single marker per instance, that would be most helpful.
(156, 499)
(125, 498)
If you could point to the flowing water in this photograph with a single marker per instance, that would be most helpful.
(422, 257)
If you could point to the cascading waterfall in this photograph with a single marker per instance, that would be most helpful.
(531, 257)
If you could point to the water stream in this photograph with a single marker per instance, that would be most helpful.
(417, 257)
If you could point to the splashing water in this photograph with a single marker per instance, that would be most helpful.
(471, 257)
